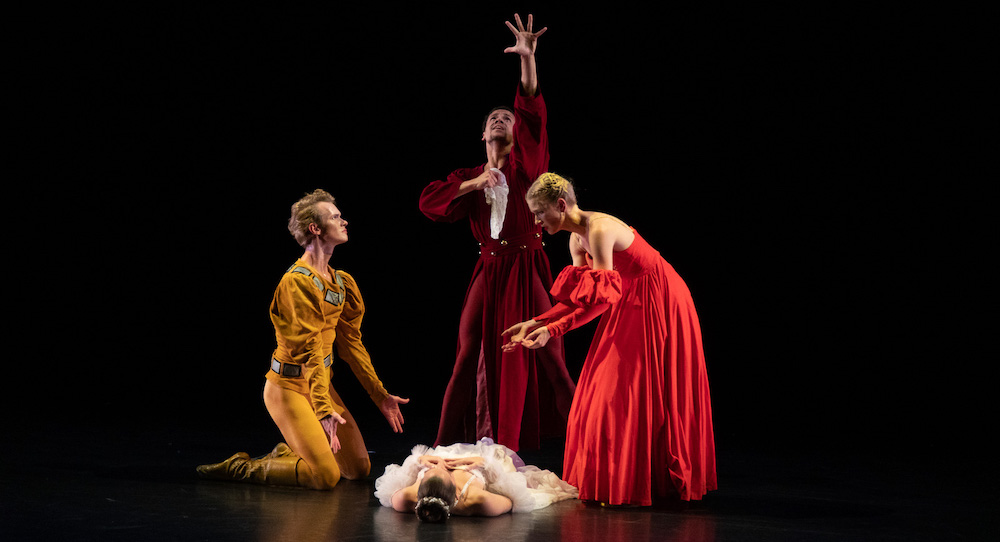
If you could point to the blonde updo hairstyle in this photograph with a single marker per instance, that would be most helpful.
(305, 212)
(549, 187)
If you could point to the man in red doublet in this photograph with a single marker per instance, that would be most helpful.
(524, 395)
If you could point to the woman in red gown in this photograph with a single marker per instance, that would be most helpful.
(641, 421)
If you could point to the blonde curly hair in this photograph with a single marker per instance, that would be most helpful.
(305, 212)
(549, 187)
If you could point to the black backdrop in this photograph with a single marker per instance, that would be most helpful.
(786, 160)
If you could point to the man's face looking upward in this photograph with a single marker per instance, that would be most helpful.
(499, 125)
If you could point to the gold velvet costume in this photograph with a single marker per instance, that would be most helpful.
(311, 316)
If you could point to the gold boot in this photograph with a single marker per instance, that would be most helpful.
(220, 471)
(274, 471)
(281, 450)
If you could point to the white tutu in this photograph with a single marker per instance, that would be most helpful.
(528, 487)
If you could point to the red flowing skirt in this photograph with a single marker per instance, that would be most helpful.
(641, 420)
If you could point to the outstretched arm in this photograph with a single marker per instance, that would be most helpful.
(485, 503)
(516, 333)
(405, 500)
(390, 409)
(527, 42)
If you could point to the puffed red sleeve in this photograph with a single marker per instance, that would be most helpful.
(438, 201)
(582, 294)
(584, 286)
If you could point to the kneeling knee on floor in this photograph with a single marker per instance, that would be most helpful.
(356, 468)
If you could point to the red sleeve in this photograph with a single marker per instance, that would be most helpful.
(530, 134)
(582, 294)
(583, 286)
(562, 318)
(438, 201)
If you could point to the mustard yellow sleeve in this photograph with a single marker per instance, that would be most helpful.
(349, 345)
(298, 320)
(319, 393)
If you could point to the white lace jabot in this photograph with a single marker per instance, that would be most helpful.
(496, 196)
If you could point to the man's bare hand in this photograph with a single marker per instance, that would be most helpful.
(390, 409)
(527, 40)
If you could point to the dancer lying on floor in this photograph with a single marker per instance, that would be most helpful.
(481, 479)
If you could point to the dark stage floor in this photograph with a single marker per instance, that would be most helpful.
(118, 484)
